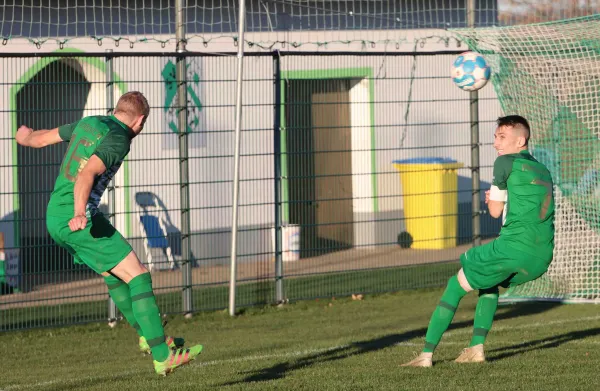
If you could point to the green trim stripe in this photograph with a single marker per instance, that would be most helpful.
(142, 296)
(447, 306)
(128, 214)
(156, 341)
(480, 332)
(333, 73)
(429, 346)
(115, 285)
(285, 195)
(373, 141)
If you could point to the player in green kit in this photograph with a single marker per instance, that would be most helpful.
(521, 192)
(97, 147)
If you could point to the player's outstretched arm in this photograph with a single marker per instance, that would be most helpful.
(27, 137)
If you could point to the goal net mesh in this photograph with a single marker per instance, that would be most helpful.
(550, 74)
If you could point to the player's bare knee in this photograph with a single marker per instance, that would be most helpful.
(462, 280)
(129, 268)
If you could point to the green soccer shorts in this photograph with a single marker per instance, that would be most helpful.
(99, 245)
(497, 264)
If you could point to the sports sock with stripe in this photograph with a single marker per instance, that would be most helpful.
(119, 292)
(443, 314)
(484, 315)
(147, 315)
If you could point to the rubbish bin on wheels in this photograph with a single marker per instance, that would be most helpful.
(429, 188)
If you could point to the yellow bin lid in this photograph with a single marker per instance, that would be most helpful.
(426, 163)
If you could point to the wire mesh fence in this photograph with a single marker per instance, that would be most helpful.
(339, 153)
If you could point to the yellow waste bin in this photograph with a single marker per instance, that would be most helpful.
(429, 189)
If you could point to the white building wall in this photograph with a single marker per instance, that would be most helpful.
(438, 114)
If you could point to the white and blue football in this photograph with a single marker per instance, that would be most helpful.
(470, 71)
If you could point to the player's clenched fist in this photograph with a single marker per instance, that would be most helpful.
(22, 133)
(487, 196)
(77, 223)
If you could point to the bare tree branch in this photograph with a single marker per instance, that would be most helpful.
(535, 11)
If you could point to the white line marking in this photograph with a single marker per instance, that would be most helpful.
(193, 364)
(269, 356)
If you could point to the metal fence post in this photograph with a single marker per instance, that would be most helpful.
(279, 293)
(110, 104)
(182, 118)
(236, 159)
(474, 114)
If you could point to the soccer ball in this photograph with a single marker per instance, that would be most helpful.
(470, 71)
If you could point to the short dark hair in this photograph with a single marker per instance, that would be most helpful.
(515, 121)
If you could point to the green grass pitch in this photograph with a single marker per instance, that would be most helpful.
(325, 344)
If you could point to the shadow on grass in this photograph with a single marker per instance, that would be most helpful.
(280, 370)
(538, 344)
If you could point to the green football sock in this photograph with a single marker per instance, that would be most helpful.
(119, 292)
(484, 315)
(147, 315)
(443, 314)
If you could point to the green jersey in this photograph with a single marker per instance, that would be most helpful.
(104, 136)
(529, 221)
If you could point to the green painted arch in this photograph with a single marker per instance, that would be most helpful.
(334, 73)
(33, 70)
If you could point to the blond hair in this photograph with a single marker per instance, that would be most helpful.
(133, 104)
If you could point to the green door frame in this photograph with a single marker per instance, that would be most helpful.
(334, 73)
(14, 90)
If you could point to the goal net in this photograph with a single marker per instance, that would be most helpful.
(207, 21)
(377, 23)
(550, 74)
